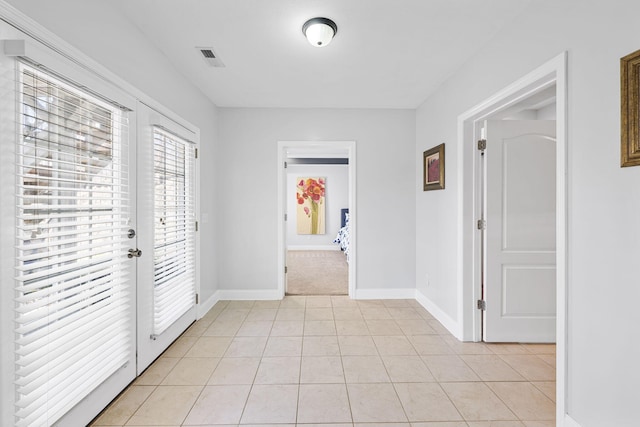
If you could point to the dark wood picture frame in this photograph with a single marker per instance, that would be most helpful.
(630, 109)
(433, 168)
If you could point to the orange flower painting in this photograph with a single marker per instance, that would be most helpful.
(311, 204)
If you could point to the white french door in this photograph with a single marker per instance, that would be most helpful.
(166, 227)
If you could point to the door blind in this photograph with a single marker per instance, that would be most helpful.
(72, 296)
(174, 228)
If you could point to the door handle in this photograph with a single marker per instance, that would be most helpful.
(134, 253)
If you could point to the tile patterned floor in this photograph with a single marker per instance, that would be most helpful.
(331, 360)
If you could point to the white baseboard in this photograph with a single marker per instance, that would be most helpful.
(205, 306)
(570, 422)
(335, 247)
(404, 293)
(246, 294)
(451, 325)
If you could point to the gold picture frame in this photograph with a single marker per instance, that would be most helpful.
(433, 168)
(630, 109)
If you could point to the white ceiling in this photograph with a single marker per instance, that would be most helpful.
(386, 54)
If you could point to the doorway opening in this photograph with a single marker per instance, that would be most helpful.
(541, 93)
(316, 222)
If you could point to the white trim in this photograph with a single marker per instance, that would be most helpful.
(569, 422)
(204, 306)
(247, 295)
(387, 293)
(448, 322)
(554, 71)
(313, 248)
(282, 146)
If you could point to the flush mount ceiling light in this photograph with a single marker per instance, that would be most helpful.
(319, 31)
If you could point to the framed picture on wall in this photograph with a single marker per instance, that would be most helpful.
(630, 109)
(433, 168)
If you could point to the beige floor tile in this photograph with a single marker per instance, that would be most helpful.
(383, 425)
(355, 345)
(424, 313)
(267, 304)
(343, 301)
(283, 346)
(319, 327)
(460, 347)
(191, 371)
(539, 423)
(415, 327)
(541, 348)
(508, 348)
(166, 405)
(449, 368)
(321, 370)
(394, 346)
(407, 369)
(293, 301)
(124, 406)
(476, 402)
(318, 301)
(427, 345)
(437, 326)
(426, 402)
(375, 313)
(257, 314)
(396, 302)
(318, 313)
(197, 328)
(246, 347)
(180, 347)
(320, 346)
(269, 404)
(530, 366)
(351, 327)
(364, 369)
(403, 313)
(220, 404)
(278, 370)
(233, 315)
(260, 328)
(491, 368)
(235, 371)
(495, 424)
(441, 424)
(549, 359)
(287, 328)
(240, 304)
(383, 327)
(347, 313)
(157, 371)
(209, 347)
(290, 314)
(223, 328)
(375, 403)
(525, 400)
(546, 387)
(323, 403)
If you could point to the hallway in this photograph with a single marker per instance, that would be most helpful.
(322, 359)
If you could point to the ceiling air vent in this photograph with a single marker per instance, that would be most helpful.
(210, 57)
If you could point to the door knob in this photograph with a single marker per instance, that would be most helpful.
(134, 253)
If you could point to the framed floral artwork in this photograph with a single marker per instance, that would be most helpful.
(311, 203)
(630, 109)
(433, 168)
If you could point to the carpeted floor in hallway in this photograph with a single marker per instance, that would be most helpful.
(317, 273)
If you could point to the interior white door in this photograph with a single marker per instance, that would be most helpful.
(520, 235)
(166, 233)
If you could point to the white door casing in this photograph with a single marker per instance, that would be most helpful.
(520, 236)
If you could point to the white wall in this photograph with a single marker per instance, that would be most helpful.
(101, 32)
(385, 191)
(336, 198)
(604, 199)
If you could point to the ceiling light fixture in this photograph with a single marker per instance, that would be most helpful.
(319, 31)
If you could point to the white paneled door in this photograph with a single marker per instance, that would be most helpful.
(520, 236)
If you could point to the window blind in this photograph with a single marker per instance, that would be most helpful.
(174, 228)
(72, 307)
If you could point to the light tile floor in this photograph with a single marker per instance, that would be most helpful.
(332, 360)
